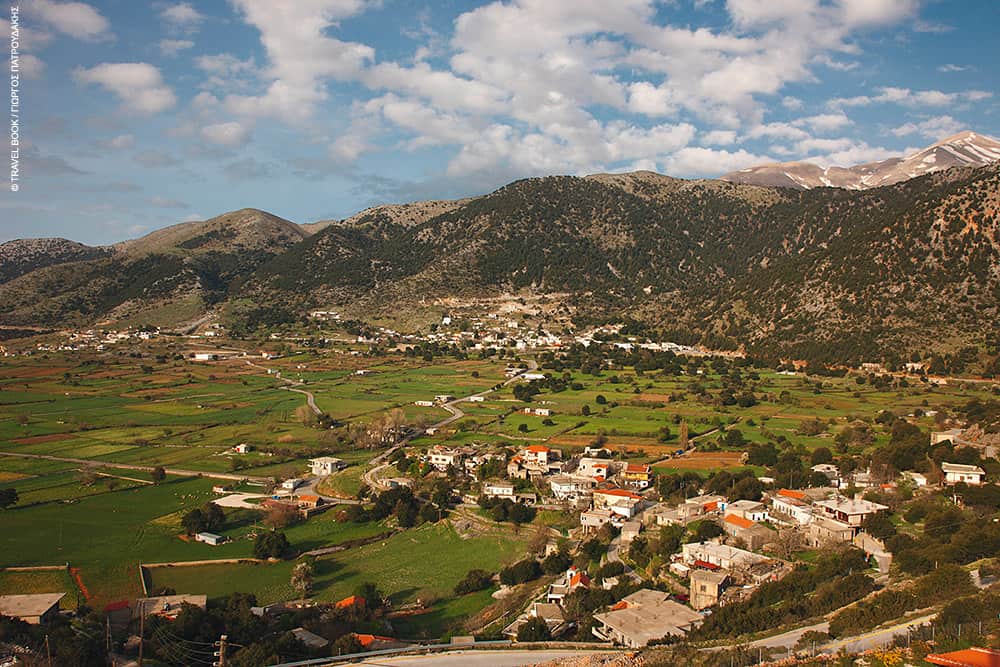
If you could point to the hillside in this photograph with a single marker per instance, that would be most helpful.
(167, 277)
(824, 272)
(26, 255)
(965, 149)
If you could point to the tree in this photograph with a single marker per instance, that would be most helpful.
(475, 580)
(682, 438)
(280, 516)
(302, 577)
(8, 497)
(371, 594)
(271, 545)
(193, 522)
(534, 630)
(158, 474)
(215, 518)
(585, 410)
(879, 526)
(821, 455)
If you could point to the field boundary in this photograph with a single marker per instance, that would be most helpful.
(195, 563)
(35, 568)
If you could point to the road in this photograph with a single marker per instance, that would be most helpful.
(876, 638)
(291, 385)
(511, 658)
(128, 466)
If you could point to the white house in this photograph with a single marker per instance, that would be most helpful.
(243, 448)
(570, 487)
(791, 506)
(424, 404)
(958, 472)
(498, 490)
(442, 457)
(476, 399)
(291, 484)
(326, 465)
(593, 467)
(748, 509)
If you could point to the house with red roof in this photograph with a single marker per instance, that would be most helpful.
(970, 657)
(753, 534)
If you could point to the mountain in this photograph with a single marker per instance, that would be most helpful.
(966, 149)
(168, 277)
(823, 273)
(26, 255)
(404, 214)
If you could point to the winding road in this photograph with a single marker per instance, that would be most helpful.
(370, 477)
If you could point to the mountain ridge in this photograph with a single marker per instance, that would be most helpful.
(964, 149)
(819, 272)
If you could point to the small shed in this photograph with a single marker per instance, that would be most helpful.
(210, 538)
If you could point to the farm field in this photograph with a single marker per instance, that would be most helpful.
(160, 409)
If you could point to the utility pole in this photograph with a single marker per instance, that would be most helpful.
(48, 650)
(221, 653)
(142, 628)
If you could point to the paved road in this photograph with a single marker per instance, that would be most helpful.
(511, 658)
(291, 385)
(875, 639)
(128, 466)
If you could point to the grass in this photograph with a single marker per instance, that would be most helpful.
(45, 581)
(422, 563)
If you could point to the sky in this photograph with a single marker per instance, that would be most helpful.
(136, 115)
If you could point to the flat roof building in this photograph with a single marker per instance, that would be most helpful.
(36, 608)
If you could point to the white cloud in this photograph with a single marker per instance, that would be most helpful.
(32, 67)
(824, 122)
(935, 128)
(118, 143)
(719, 138)
(226, 72)
(876, 12)
(302, 55)
(76, 19)
(949, 67)
(171, 47)
(698, 161)
(139, 85)
(182, 16)
(232, 133)
(791, 103)
(907, 97)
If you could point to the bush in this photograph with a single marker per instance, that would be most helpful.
(475, 580)
(520, 572)
(533, 630)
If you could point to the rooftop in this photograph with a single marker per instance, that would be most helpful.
(28, 605)
(852, 505)
(970, 657)
(962, 468)
(649, 615)
(738, 521)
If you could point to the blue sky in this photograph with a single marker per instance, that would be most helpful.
(138, 115)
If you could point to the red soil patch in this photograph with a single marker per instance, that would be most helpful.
(653, 398)
(75, 572)
(34, 372)
(39, 439)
